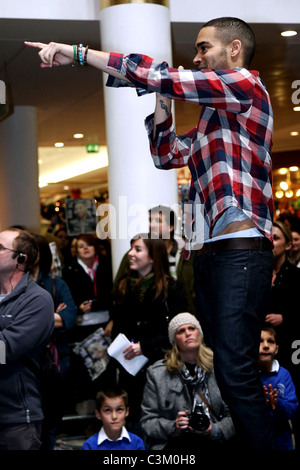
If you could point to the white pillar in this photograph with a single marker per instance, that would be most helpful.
(19, 191)
(135, 185)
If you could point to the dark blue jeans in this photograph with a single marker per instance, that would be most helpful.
(25, 436)
(233, 290)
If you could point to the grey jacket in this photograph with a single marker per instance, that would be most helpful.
(26, 325)
(165, 394)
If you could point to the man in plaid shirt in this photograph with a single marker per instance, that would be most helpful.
(231, 206)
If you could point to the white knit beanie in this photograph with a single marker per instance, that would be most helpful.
(182, 319)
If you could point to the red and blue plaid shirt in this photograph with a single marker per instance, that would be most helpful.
(229, 151)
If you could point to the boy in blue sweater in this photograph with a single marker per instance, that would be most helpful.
(279, 389)
(112, 409)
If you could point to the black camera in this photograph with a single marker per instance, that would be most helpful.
(198, 420)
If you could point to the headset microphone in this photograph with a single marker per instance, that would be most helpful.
(21, 258)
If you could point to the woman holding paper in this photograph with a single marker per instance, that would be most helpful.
(89, 278)
(147, 298)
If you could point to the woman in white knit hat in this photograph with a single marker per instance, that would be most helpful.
(182, 406)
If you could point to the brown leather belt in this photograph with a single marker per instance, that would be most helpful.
(255, 243)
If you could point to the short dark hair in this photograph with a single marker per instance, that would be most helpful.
(25, 243)
(295, 227)
(169, 214)
(268, 327)
(228, 29)
(114, 392)
(89, 239)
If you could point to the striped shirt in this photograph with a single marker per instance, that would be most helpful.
(228, 152)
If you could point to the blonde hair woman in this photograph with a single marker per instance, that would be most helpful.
(174, 357)
(182, 406)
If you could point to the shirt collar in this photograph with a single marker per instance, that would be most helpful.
(275, 366)
(88, 270)
(102, 436)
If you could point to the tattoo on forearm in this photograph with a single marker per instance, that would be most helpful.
(165, 107)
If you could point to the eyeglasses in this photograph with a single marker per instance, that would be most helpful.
(3, 248)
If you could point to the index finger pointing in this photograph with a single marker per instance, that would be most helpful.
(38, 45)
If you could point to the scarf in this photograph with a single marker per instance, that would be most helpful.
(194, 382)
(141, 286)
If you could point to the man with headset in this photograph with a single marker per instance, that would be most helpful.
(26, 325)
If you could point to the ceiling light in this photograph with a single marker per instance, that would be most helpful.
(279, 194)
(59, 144)
(284, 185)
(294, 133)
(283, 171)
(78, 136)
(296, 108)
(294, 168)
(288, 34)
(75, 168)
(289, 194)
(298, 193)
(66, 188)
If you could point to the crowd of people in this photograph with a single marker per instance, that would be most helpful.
(174, 402)
(196, 313)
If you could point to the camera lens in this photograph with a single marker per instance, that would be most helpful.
(198, 419)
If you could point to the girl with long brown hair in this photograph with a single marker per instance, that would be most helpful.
(147, 298)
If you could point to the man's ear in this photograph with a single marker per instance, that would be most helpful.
(235, 49)
(127, 412)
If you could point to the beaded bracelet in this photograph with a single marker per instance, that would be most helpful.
(78, 58)
(79, 54)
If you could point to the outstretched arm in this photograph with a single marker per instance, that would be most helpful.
(55, 54)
